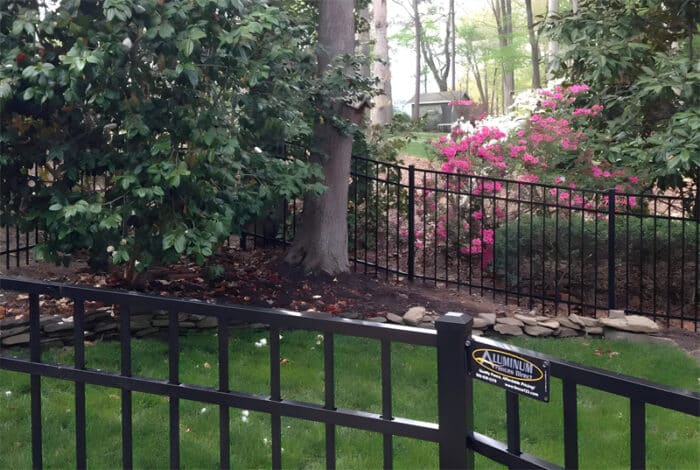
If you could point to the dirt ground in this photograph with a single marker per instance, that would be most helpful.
(261, 278)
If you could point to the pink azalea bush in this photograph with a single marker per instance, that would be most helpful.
(548, 155)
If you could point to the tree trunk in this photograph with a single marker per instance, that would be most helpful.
(418, 30)
(382, 111)
(454, 45)
(321, 243)
(363, 42)
(502, 12)
(553, 46)
(534, 46)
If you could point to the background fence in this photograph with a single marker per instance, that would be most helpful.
(559, 249)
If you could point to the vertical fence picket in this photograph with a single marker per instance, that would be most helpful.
(174, 378)
(513, 422)
(224, 413)
(79, 362)
(126, 412)
(411, 222)
(35, 380)
(329, 390)
(611, 248)
(570, 425)
(387, 412)
(275, 394)
(637, 434)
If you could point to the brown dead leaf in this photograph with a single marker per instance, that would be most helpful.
(207, 365)
(284, 361)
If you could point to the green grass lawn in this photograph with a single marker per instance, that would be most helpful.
(672, 438)
(421, 145)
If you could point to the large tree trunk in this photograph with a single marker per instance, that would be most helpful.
(382, 111)
(553, 46)
(321, 244)
(418, 30)
(534, 46)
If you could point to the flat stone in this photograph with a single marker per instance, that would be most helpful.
(22, 338)
(511, 330)
(526, 319)
(106, 326)
(187, 324)
(477, 333)
(48, 343)
(552, 324)
(377, 319)
(594, 330)
(414, 315)
(160, 322)
(208, 322)
(583, 321)
(566, 323)
(146, 332)
(139, 324)
(480, 323)
(538, 331)
(616, 314)
(509, 321)
(633, 323)
(489, 317)
(567, 333)
(540, 318)
(394, 318)
(14, 321)
(350, 315)
(5, 332)
(612, 333)
(427, 324)
(58, 326)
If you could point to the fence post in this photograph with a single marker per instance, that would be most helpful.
(611, 248)
(455, 405)
(411, 222)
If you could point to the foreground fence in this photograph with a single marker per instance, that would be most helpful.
(556, 248)
(454, 432)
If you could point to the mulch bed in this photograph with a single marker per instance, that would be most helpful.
(261, 278)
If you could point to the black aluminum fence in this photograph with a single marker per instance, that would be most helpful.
(454, 432)
(556, 248)
(16, 245)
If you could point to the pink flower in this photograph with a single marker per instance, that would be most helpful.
(634, 179)
(575, 89)
(559, 179)
(477, 215)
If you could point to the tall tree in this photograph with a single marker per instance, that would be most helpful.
(321, 242)
(454, 44)
(503, 13)
(534, 46)
(382, 111)
(419, 32)
(553, 46)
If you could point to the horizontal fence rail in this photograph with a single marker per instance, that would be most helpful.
(454, 432)
(559, 249)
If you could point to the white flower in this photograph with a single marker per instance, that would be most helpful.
(260, 343)
(257, 149)
(8, 393)
(110, 249)
(203, 410)
(127, 43)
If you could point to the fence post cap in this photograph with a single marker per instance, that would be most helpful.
(457, 318)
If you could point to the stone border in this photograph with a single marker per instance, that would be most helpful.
(103, 323)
